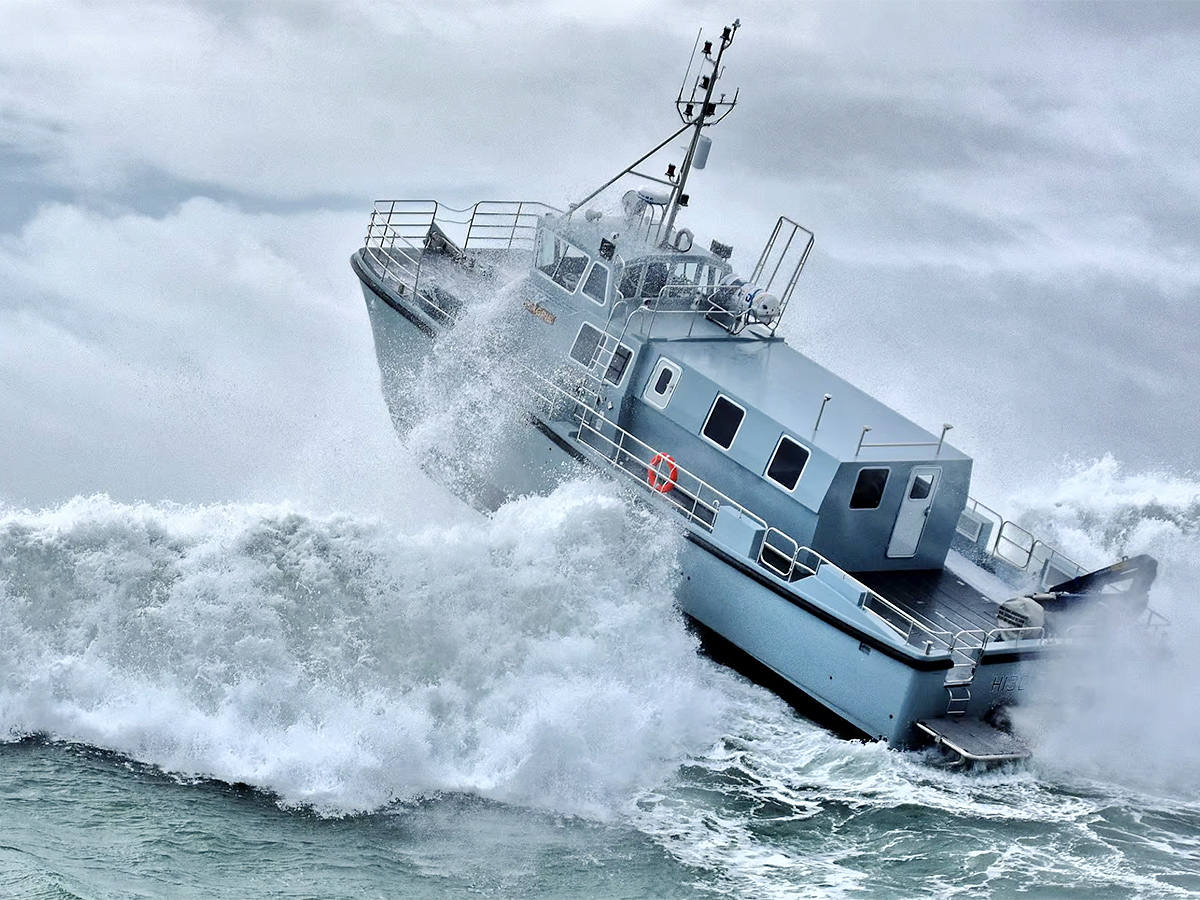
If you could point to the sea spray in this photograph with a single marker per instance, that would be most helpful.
(1123, 709)
(344, 665)
(468, 403)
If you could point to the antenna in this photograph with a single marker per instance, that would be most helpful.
(697, 111)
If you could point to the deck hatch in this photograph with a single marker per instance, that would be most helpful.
(723, 422)
(787, 463)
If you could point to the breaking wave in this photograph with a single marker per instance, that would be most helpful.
(344, 665)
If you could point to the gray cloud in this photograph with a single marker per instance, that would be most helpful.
(1005, 199)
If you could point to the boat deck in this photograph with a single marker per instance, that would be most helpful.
(937, 597)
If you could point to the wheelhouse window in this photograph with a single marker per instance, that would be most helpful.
(787, 463)
(631, 281)
(723, 422)
(561, 261)
(695, 273)
(587, 345)
(679, 282)
(868, 490)
(645, 280)
(596, 285)
(656, 279)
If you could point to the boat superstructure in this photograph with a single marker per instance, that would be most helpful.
(830, 540)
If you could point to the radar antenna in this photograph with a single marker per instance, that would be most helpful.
(699, 110)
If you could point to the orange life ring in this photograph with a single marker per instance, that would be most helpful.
(654, 474)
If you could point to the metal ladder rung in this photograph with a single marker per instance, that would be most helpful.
(960, 699)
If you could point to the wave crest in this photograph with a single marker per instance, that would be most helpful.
(535, 657)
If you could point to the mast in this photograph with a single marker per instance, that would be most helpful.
(709, 112)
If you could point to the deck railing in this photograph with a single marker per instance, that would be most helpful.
(778, 553)
(999, 541)
(402, 232)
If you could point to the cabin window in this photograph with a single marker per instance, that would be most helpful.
(695, 273)
(563, 262)
(787, 463)
(662, 383)
(634, 285)
(618, 364)
(723, 422)
(868, 490)
(596, 285)
(587, 345)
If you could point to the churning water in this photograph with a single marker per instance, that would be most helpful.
(241, 700)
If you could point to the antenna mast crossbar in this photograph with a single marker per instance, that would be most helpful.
(709, 113)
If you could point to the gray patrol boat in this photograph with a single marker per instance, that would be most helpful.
(832, 546)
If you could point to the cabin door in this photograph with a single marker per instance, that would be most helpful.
(914, 509)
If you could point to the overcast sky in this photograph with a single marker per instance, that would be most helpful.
(1006, 199)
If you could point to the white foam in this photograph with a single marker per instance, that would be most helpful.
(345, 665)
(1123, 713)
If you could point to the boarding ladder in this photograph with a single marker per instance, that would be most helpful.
(966, 651)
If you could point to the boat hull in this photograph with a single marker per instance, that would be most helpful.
(878, 690)
(528, 461)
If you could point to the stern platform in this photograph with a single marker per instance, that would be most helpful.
(974, 740)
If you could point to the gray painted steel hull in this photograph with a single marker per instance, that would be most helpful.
(880, 695)
(530, 462)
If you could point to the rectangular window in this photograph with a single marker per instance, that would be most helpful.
(630, 281)
(560, 260)
(587, 345)
(921, 487)
(618, 363)
(656, 279)
(570, 268)
(868, 490)
(723, 422)
(596, 285)
(549, 250)
(787, 463)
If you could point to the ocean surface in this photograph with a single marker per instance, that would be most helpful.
(261, 701)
